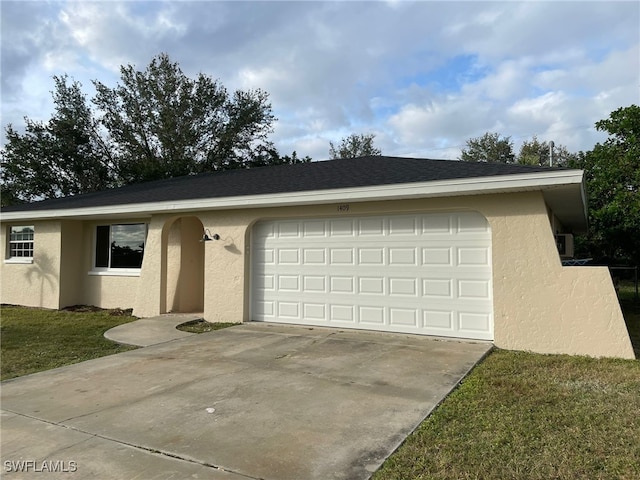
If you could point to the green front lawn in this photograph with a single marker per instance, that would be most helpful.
(33, 339)
(516, 416)
(530, 416)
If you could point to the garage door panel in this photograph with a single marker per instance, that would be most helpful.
(315, 283)
(314, 256)
(341, 228)
(437, 288)
(402, 256)
(474, 289)
(342, 284)
(437, 224)
(289, 310)
(403, 317)
(265, 309)
(265, 282)
(265, 256)
(342, 256)
(428, 273)
(473, 322)
(437, 256)
(288, 256)
(403, 287)
(440, 320)
(314, 229)
(315, 311)
(264, 230)
(342, 313)
(289, 283)
(471, 223)
(371, 256)
(371, 285)
(289, 229)
(473, 256)
(371, 227)
(402, 225)
(371, 315)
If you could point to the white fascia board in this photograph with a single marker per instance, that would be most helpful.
(441, 188)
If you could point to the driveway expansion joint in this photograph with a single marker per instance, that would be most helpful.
(326, 410)
(153, 451)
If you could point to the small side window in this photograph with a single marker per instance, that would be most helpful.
(20, 243)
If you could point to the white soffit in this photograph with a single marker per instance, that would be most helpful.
(440, 188)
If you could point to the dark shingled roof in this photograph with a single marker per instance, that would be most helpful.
(330, 174)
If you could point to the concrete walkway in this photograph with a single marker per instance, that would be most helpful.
(254, 401)
(153, 330)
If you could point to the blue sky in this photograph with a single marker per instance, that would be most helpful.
(422, 76)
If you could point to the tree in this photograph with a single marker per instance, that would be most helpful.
(269, 156)
(156, 124)
(534, 152)
(354, 146)
(64, 156)
(612, 171)
(164, 124)
(489, 148)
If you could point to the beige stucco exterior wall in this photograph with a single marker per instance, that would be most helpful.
(102, 290)
(191, 276)
(71, 267)
(151, 291)
(185, 266)
(173, 261)
(34, 284)
(539, 305)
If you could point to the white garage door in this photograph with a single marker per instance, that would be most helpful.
(427, 274)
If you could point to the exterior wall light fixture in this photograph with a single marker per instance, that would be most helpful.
(207, 236)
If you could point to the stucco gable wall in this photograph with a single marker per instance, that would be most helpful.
(34, 284)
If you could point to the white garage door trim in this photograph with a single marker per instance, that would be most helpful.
(425, 274)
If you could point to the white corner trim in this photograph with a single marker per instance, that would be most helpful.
(452, 187)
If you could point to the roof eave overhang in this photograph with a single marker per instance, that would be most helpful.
(566, 185)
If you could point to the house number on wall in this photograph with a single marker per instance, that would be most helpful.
(343, 207)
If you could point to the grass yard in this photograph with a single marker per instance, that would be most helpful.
(33, 339)
(202, 326)
(516, 416)
(529, 416)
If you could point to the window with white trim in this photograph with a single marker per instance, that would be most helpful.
(20, 242)
(119, 246)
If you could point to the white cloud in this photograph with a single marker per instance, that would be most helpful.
(423, 76)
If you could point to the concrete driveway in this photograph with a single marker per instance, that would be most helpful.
(256, 401)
